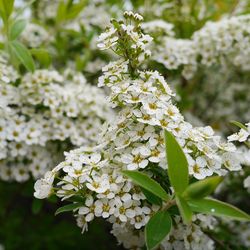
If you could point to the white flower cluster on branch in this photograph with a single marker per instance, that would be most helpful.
(135, 141)
(42, 114)
(228, 38)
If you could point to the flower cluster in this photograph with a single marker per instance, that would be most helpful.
(77, 33)
(181, 237)
(134, 43)
(42, 114)
(35, 36)
(135, 141)
(175, 53)
(158, 28)
(228, 38)
(225, 98)
(213, 61)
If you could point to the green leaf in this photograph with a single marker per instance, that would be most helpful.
(75, 9)
(61, 12)
(42, 56)
(68, 207)
(153, 199)
(238, 124)
(6, 8)
(36, 206)
(1, 46)
(157, 229)
(23, 55)
(185, 211)
(77, 198)
(147, 183)
(217, 208)
(17, 28)
(177, 163)
(203, 188)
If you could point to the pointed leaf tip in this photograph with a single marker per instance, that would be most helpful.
(147, 183)
(177, 163)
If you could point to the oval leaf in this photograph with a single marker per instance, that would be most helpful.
(153, 199)
(217, 208)
(157, 229)
(23, 54)
(61, 12)
(203, 188)
(17, 28)
(68, 207)
(177, 163)
(185, 210)
(147, 183)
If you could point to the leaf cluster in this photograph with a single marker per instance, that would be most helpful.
(190, 198)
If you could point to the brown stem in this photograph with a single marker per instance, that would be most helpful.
(169, 204)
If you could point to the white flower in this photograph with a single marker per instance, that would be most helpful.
(74, 170)
(135, 160)
(124, 210)
(88, 210)
(231, 161)
(98, 184)
(199, 168)
(43, 187)
(104, 208)
(91, 159)
(141, 218)
(241, 136)
(156, 154)
(108, 39)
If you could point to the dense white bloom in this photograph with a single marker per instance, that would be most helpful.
(135, 141)
(45, 109)
(228, 38)
(158, 27)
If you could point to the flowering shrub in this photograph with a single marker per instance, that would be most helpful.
(153, 155)
(43, 112)
(45, 109)
(102, 181)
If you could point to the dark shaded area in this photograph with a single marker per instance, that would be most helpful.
(26, 223)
